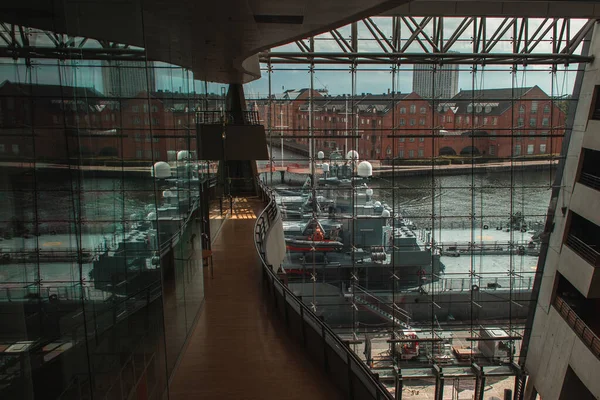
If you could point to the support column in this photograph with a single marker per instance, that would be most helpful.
(236, 103)
(238, 177)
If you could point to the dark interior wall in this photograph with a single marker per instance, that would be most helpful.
(573, 388)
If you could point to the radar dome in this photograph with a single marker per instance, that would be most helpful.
(151, 216)
(377, 204)
(385, 213)
(369, 192)
(183, 155)
(364, 169)
(161, 170)
(352, 155)
(320, 155)
(325, 167)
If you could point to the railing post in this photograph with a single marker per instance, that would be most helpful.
(399, 385)
(285, 309)
(303, 326)
(274, 292)
(350, 380)
(325, 361)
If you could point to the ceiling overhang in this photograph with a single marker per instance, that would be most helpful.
(218, 41)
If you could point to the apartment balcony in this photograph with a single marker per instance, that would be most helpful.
(579, 263)
(589, 175)
(591, 140)
(590, 180)
(584, 250)
(580, 255)
(588, 334)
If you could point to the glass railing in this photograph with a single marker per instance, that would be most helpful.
(340, 363)
(584, 332)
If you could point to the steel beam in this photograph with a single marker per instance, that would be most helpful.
(427, 41)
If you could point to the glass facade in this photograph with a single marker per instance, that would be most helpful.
(103, 210)
(412, 222)
(413, 218)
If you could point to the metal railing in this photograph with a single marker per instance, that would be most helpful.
(584, 332)
(590, 180)
(341, 364)
(586, 251)
(218, 117)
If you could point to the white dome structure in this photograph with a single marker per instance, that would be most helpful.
(377, 204)
(167, 193)
(183, 155)
(385, 213)
(151, 216)
(161, 170)
(369, 192)
(352, 155)
(325, 167)
(364, 169)
(320, 155)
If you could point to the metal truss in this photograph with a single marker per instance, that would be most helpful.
(472, 40)
(18, 41)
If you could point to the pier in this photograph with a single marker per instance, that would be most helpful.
(385, 171)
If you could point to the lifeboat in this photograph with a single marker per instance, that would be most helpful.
(313, 238)
(304, 246)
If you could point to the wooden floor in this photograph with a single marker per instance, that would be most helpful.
(239, 348)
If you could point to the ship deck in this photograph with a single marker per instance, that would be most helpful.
(239, 347)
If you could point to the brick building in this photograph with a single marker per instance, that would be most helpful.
(56, 123)
(489, 123)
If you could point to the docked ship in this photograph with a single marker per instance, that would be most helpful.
(133, 262)
(345, 232)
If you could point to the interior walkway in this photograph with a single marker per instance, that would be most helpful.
(239, 348)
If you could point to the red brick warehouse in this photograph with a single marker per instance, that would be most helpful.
(485, 123)
(56, 123)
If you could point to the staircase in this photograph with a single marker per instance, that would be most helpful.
(389, 312)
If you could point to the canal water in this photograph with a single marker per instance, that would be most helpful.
(457, 201)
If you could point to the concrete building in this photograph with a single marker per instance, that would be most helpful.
(434, 81)
(563, 357)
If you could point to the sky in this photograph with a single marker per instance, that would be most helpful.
(377, 81)
(335, 78)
